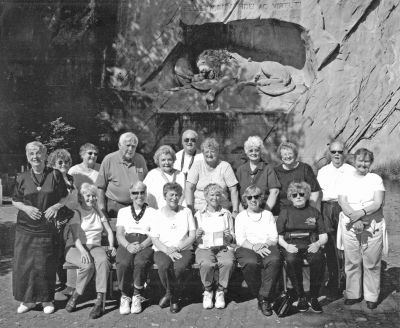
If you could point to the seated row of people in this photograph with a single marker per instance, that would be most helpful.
(173, 239)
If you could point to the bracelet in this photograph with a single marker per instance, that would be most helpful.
(365, 212)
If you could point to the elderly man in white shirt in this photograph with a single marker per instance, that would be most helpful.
(329, 178)
(189, 154)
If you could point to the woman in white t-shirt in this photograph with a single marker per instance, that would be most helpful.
(362, 230)
(172, 233)
(88, 170)
(134, 254)
(258, 254)
(83, 249)
(215, 235)
(155, 180)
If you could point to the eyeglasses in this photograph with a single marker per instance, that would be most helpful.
(336, 152)
(301, 194)
(62, 162)
(90, 153)
(135, 193)
(256, 197)
(189, 140)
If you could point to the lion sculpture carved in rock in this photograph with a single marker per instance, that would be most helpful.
(219, 69)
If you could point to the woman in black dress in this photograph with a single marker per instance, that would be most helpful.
(38, 195)
(292, 170)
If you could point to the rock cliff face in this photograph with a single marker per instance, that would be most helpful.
(350, 67)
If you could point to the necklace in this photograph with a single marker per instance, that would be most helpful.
(38, 183)
(137, 217)
(191, 160)
(257, 219)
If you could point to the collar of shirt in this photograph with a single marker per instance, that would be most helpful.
(124, 162)
(259, 167)
(204, 211)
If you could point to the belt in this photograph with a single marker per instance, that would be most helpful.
(136, 234)
(217, 249)
(330, 201)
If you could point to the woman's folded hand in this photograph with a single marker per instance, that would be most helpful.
(33, 212)
(85, 257)
(291, 248)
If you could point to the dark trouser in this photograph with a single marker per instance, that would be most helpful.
(171, 273)
(330, 213)
(113, 207)
(294, 266)
(260, 273)
(132, 268)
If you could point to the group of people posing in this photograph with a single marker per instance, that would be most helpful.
(195, 208)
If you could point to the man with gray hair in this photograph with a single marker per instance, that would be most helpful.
(189, 154)
(329, 178)
(118, 171)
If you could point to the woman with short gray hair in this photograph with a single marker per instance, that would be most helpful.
(258, 172)
(211, 170)
(39, 194)
(155, 180)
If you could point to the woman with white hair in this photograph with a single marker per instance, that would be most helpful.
(155, 180)
(83, 249)
(211, 170)
(39, 194)
(258, 172)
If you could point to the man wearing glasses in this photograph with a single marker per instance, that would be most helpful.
(189, 154)
(118, 171)
(329, 178)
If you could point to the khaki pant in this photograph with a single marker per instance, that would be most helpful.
(224, 260)
(100, 266)
(356, 259)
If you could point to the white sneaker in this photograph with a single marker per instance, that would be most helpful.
(125, 306)
(25, 307)
(220, 299)
(207, 300)
(48, 307)
(136, 304)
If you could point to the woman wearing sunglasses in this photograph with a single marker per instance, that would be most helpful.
(301, 234)
(258, 254)
(88, 170)
(134, 255)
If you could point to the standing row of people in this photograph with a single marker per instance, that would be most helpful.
(291, 191)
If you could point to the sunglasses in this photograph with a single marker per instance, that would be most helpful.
(256, 197)
(62, 162)
(301, 194)
(189, 139)
(336, 152)
(90, 153)
(135, 193)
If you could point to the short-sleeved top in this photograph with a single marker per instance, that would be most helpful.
(155, 181)
(84, 175)
(116, 176)
(264, 177)
(201, 175)
(360, 189)
(130, 225)
(211, 222)
(25, 191)
(185, 161)
(255, 228)
(329, 178)
(90, 226)
(306, 219)
(302, 172)
(172, 230)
